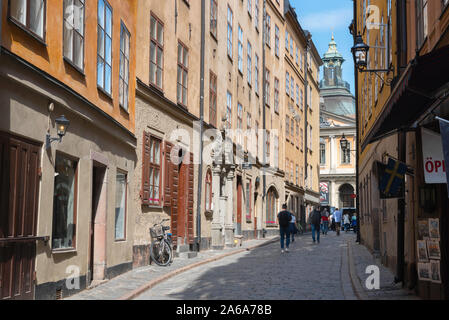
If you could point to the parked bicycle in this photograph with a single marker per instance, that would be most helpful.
(161, 244)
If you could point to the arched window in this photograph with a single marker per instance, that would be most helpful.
(272, 209)
(208, 191)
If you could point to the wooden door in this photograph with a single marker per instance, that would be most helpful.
(182, 203)
(19, 192)
(239, 206)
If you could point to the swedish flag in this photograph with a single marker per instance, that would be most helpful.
(393, 178)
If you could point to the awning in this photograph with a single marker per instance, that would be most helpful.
(414, 93)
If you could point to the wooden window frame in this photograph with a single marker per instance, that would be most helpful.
(102, 87)
(151, 165)
(126, 62)
(185, 69)
(213, 17)
(229, 44)
(249, 53)
(276, 95)
(67, 59)
(256, 73)
(267, 87)
(158, 45)
(239, 122)
(228, 110)
(268, 30)
(276, 40)
(240, 49)
(27, 26)
(213, 99)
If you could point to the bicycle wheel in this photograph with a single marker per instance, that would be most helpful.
(161, 253)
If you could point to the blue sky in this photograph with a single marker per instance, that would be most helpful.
(321, 17)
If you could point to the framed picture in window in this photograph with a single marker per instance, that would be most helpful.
(435, 274)
(424, 271)
(434, 228)
(423, 229)
(433, 248)
(422, 251)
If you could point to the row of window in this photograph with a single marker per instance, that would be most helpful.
(293, 173)
(30, 15)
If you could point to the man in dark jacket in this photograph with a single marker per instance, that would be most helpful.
(315, 221)
(284, 218)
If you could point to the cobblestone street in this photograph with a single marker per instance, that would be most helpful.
(309, 271)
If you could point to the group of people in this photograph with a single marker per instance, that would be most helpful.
(319, 221)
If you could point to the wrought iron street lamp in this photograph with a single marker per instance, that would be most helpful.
(61, 128)
(344, 143)
(360, 53)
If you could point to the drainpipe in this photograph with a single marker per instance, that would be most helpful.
(1, 24)
(357, 136)
(306, 109)
(200, 169)
(264, 157)
(402, 145)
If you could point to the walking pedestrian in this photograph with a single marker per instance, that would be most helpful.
(354, 223)
(325, 220)
(347, 222)
(284, 218)
(315, 219)
(337, 217)
(293, 229)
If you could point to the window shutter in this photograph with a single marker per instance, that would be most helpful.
(145, 192)
(168, 175)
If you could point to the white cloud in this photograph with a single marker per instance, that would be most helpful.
(326, 21)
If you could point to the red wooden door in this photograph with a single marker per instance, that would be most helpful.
(182, 202)
(239, 204)
(19, 191)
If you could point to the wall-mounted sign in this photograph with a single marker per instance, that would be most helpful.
(324, 193)
(433, 158)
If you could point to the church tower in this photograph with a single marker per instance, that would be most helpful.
(333, 74)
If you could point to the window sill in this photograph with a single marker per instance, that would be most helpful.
(186, 3)
(124, 109)
(101, 90)
(74, 66)
(28, 31)
(214, 37)
(120, 240)
(62, 251)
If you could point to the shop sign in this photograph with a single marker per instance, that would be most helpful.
(433, 158)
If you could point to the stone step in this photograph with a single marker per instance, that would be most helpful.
(183, 248)
(186, 255)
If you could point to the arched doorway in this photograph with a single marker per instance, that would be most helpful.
(272, 205)
(346, 196)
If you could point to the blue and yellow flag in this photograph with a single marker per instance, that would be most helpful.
(393, 178)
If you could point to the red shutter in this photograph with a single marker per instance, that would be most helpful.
(146, 149)
(168, 175)
(190, 202)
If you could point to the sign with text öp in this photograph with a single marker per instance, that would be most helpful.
(433, 158)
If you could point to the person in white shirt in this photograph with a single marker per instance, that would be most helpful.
(293, 229)
(347, 222)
